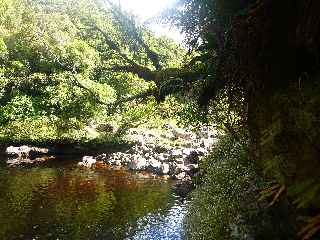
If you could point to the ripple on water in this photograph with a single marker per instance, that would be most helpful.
(162, 226)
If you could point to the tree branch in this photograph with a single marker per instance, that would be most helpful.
(142, 95)
(120, 17)
(142, 72)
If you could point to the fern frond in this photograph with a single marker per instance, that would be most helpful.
(275, 190)
(309, 230)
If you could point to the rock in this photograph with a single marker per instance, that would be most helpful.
(154, 166)
(26, 161)
(26, 152)
(167, 126)
(117, 163)
(180, 176)
(140, 142)
(154, 153)
(207, 143)
(161, 157)
(133, 131)
(151, 135)
(179, 161)
(176, 153)
(183, 187)
(26, 155)
(201, 151)
(138, 163)
(172, 168)
(102, 157)
(192, 158)
(165, 168)
(180, 133)
(151, 146)
(160, 149)
(191, 169)
(166, 155)
(187, 151)
(88, 162)
(80, 164)
(169, 136)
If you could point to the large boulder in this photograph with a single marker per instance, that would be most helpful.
(26, 152)
(154, 166)
(88, 162)
(138, 163)
(191, 169)
(183, 187)
(192, 158)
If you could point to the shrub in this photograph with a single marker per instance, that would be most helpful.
(214, 211)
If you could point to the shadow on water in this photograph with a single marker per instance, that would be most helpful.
(65, 202)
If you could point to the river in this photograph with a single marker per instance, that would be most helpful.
(61, 201)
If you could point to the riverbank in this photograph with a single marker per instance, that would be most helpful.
(168, 151)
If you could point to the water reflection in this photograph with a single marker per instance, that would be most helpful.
(70, 203)
(162, 226)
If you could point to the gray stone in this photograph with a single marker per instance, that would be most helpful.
(179, 169)
(201, 151)
(138, 163)
(180, 161)
(165, 168)
(176, 153)
(191, 169)
(118, 163)
(154, 166)
(88, 162)
(160, 149)
(26, 152)
(167, 126)
(187, 151)
(183, 187)
(180, 176)
(161, 157)
(102, 157)
(192, 158)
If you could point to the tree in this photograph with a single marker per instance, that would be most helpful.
(264, 55)
(72, 61)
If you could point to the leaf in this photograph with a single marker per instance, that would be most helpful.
(309, 230)
(277, 196)
(275, 190)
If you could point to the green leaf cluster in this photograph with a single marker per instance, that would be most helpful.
(60, 66)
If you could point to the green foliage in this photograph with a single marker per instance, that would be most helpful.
(56, 69)
(216, 203)
(272, 93)
(3, 50)
(296, 117)
(81, 55)
(192, 114)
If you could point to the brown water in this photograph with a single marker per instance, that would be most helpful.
(61, 201)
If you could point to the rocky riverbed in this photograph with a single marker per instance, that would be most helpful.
(172, 152)
(168, 151)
